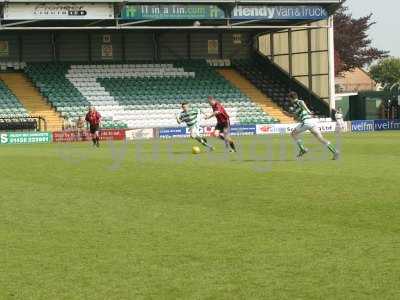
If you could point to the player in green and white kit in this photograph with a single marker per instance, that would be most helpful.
(304, 116)
(191, 116)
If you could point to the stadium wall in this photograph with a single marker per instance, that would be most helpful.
(357, 126)
(68, 46)
(302, 53)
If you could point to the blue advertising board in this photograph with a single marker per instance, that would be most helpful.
(380, 125)
(243, 129)
(273, 12)
(173, 132)
(362, 125)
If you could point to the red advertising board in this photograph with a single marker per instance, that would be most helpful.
(75, 136)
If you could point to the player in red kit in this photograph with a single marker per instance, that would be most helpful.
(93, 117)
(222, 129)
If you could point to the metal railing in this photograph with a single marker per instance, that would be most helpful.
(33, 123)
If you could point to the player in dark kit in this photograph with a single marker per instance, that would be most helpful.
(93, 117)
(222, 129)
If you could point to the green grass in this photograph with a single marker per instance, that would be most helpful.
(120, 222)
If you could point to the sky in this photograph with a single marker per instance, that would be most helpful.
(386, 33)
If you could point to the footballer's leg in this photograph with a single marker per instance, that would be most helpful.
(296, 137)
(318, 135)
(228, 138)
(338, 128)
(93, 134)
(195, 134)
(97, 137)
(219, 134)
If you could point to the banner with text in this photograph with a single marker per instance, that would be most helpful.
(58, 11)
(362, 125)
(139, 134)
(25, 137)
(380, 125)
(262, 129)
(173, 132)
(265, 12)
(75, 136)
(172, 12)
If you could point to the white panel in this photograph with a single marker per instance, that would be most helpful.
(282, 61)
(320, 63)
(321, 85)
(264, 44)
(299, 41)
(54, 11)
(300, 64)
(281, 43)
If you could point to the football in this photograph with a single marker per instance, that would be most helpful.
(196, 150)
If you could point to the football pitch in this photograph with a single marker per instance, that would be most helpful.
(149, 220)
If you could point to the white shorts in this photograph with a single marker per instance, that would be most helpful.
(194, 131)
(340, 125)
(306, 125)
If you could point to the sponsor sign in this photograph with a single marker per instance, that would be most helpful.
(380, 125)
(327, 126)
(212, 46)
(192, 1)
(4, 49)
(172, 132)
(3, 138)
(172, 12)
(237, 38)
(206, 130)
(25, 137)
(58, 11)
(362, 125)
(264, 12)
(243, 129)
(75, 136)
(263, 129)
(107, 51)
(139, 134)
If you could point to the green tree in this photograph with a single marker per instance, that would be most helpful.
(386, 71)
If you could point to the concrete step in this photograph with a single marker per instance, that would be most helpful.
(256, 95)
(32, 100)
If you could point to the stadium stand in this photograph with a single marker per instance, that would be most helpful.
(256, 95)
(274, 83)
(12, 65)
(13, 116)
(141, 94)
(32, 100)
(275, 89)
(10, 107)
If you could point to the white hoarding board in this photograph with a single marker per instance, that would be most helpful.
(262, 129)
(58, 11)
(139, 134)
